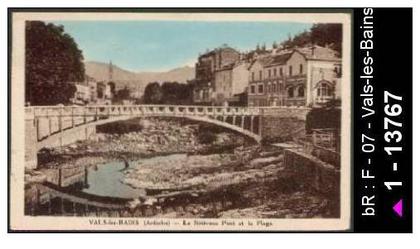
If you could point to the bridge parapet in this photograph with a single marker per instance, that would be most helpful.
(48, 111)
(286, 112)
(102, 110)
(49, 120)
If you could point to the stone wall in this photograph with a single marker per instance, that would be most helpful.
(72, 136)
(49, 125)
(66, 176)
(30, 144)
(280, 129)
(39, 129)
(311, 173)
(287, 112)
(281, 124)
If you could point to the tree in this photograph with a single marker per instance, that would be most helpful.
(123, 94)
(172, 93)
(328, 34)
(152, 93)
(322, 34)
(176, 93)
(325, 117)
(53, 62)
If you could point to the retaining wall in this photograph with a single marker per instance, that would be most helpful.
(310, 172)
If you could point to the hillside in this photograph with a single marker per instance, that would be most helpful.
(137, 80)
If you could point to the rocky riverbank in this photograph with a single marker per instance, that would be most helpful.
(198, 172)
(172, 160)
(137, 139)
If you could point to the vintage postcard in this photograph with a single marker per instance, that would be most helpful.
(180, 121)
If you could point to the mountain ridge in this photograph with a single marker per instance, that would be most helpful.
(136, 80)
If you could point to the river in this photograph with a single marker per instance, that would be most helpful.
(108, 179)
(191, 179)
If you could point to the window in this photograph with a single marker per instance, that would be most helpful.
(290, 92)
(281, 71)
(275, 72)
(260, 88)
(290, 70)
(252, 89)
(253, 76)
(274, 88)
(269, 88)
(269, 73)
(300, 69)
(337, 70)
(324, 90)
(260, 75)
(301, 91)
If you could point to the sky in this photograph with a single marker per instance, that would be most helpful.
(164, 45)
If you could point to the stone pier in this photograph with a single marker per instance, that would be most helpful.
(31, 150)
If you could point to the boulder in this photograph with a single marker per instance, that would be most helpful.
(145, 124)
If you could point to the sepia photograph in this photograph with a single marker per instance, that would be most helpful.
(180, 121)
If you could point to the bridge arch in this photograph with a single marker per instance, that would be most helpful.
(54, 138)
(48, 126)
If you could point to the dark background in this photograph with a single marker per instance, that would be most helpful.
(392, 71)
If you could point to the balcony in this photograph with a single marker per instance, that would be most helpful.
(323, 99)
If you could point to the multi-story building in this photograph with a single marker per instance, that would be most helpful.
(205, 68)
(300, 77)
(85, 91)
(81, 95)
(257, 87)
(91, 82)
(230, 82)
(324, 75)
(103, 93)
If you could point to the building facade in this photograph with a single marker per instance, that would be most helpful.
(104, 96)
(82, 94)
(205, 68)
(324, 78)
(300, 77)
(230, 82)
(304, 76)
(85, 91)
(91, 82)
(257, 88)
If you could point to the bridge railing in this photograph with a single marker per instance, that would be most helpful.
(50, 120)
(110, 110)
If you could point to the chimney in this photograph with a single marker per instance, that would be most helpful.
(313, 50)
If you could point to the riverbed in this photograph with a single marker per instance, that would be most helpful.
(168, 160)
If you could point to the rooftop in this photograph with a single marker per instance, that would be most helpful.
(319, 53)
(280, 59)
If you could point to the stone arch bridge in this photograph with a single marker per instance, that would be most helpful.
(50, 126)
